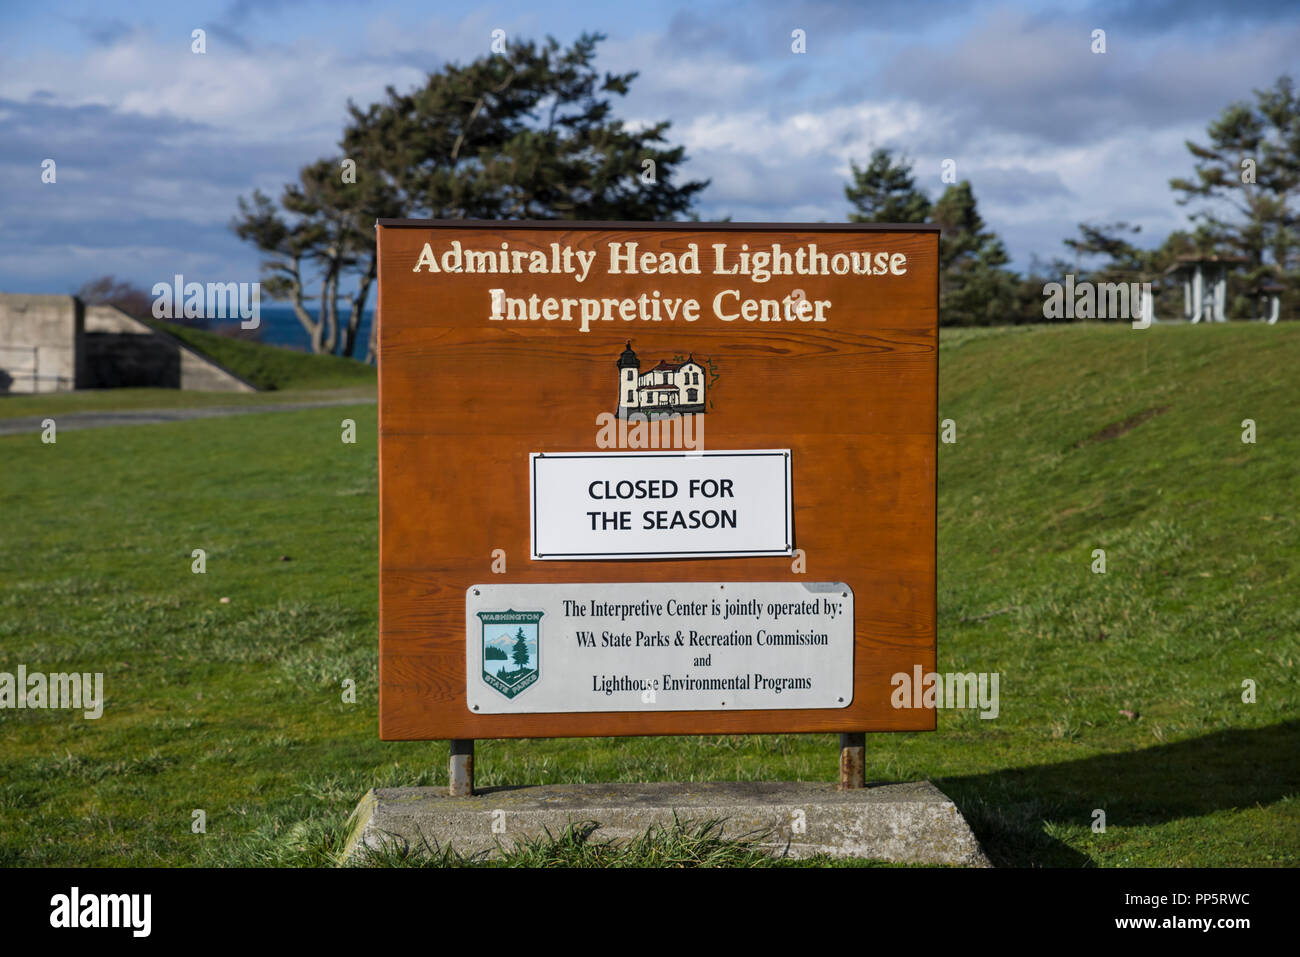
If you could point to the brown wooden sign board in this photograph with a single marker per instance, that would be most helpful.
(846, 381)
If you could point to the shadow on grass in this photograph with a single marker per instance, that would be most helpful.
(1008, 810)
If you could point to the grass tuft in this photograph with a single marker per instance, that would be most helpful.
(683, 844)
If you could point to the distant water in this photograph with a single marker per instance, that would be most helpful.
(280, 327)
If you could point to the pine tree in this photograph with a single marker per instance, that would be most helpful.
(520, 655)
(1250, 171)
(974, 286)
(1248, 177)
(885, 192)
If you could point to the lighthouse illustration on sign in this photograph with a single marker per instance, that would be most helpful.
(669, 388)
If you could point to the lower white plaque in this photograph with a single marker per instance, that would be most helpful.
(658, 646)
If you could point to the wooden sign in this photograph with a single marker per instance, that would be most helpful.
(655, 478)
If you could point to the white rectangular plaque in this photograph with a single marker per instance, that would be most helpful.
(611, 505)
(658, 646)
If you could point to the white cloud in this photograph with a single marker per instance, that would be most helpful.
(299, 93)
(1049, 133)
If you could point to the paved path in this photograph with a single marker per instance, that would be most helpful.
(98, 420)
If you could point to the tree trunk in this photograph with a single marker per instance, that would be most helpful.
(358, 305)
(313, 327)
(329, 310)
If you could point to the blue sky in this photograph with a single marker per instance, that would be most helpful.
(154, 143)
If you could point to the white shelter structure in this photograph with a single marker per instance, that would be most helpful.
(1268, 301)
(1205, 285)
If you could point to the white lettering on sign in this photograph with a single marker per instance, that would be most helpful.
(611, 505)
(658, 646)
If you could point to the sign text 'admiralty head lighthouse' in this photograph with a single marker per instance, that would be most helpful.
(540, 579)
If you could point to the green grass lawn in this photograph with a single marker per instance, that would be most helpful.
(1068, 439)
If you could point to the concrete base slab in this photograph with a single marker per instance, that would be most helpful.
(912, 823)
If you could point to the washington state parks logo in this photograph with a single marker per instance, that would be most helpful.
(512, 642)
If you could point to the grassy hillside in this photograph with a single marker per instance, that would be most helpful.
(273, 367)
(1120, 692)
(1075, 439)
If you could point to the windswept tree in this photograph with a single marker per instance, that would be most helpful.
(526, 134)
(322, 233)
